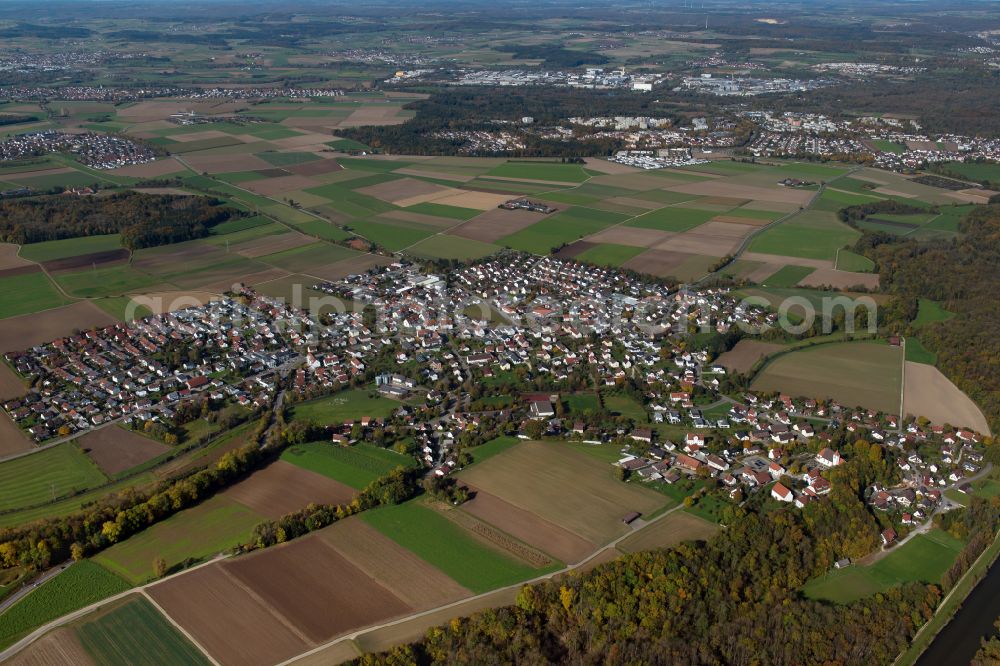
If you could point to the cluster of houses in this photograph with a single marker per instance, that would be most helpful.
(125, 370)
(99, 151)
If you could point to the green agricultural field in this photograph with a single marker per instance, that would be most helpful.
(787, 276)
(324, 230)
(82, 584)
(347, 405)
(609, 254)
(113, 281)
(949, 218)
(200, 532)
(552, 172)
(445, 545)
(308, 257)
(355, 466)
(627, 407)
(563, 227)
(443, 246)
(924, 559)
(854, 262)
(46, 475)
(240, 224)
(889, 146)
(492, 448)
(287, 159)
(810, 235)
(976, 171)
(852, 373)
(832, 200)
(390, 236)
(442, 210)
(136, 634)
(70, 247)
(916, 352)
(929, 311)
(27, 293)
(673, 218)
(808, 170)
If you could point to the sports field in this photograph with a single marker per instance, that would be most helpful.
(356, 466)
(923, 559)
(853, 374)
(136, 634)
(561, 485)
(348, 405)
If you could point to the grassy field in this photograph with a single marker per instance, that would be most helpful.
(924, 558)
(854, 262)
(977, 172)
(866, 374)
(211, 527)
(916, 352)
(70, 247)
(344, 406)
(609, 254)
(27, 293)
(673, 218)
(355, 466)
(492, 448)
(45, 475)
(810, 235)
(113, 281)
(136, 634)
(545, 171)
(669, 531)
(787, 276)
(442, 210)
(929, 311)
(82, 584)
(448, 547)
(563, 227)
(558, 483)
(442, 246)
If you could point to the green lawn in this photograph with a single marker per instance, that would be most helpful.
(673, 218)
(581, 403)
(810, 235)
(27, 293)
(887, 146)
(200, 532)
(924, 558)
(70, 247)
(546, 171)
(42, 476)
(854, 262)
(82, 584)
(355, 466)
(627, 407)
(609, 254)
(492, 448)
(136, 634)
(787, 276)
(347, 405)
(916, 352)
(929, 311)
(442, 543)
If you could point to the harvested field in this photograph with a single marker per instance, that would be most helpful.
(271, 187)
(225, 163)
(198, 136)
(528, 527)
(495, 538)
(773, 206)
(11, 385)
(781, 260)
(634, 236)
(282, 487)
(634, 203)
(159, 302)
(573, 250)
(218, 284)
(9, 258)
(746, 352)
(317, 589)
(373, 115)
(150, 169)
(413, 580)
(353, 266)
(233, 624)
(403, 189)
(158, 110)
(18, 333)
(722, 229)
(555, 482)
(12, 438)
(260, 247)
(852, 373)
(440, 175)
(745, 221)
(316, 168)
(14, 177)
(822, 277)
(471, 199)
(695, 243)
(495, 224)
(606, 166)
(102, 259)
(929, 393)
(20, 270)
(669, 531)
(738, 191)
(56, 648)
(656, 262)
(165, 190)
(116, 449)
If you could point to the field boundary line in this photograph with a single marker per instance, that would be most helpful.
(179, 628)
(266, 605)
(353, 636)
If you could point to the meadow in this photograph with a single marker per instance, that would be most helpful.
(349, 405)
(46, 475)
(28, 293)
(356, 466)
